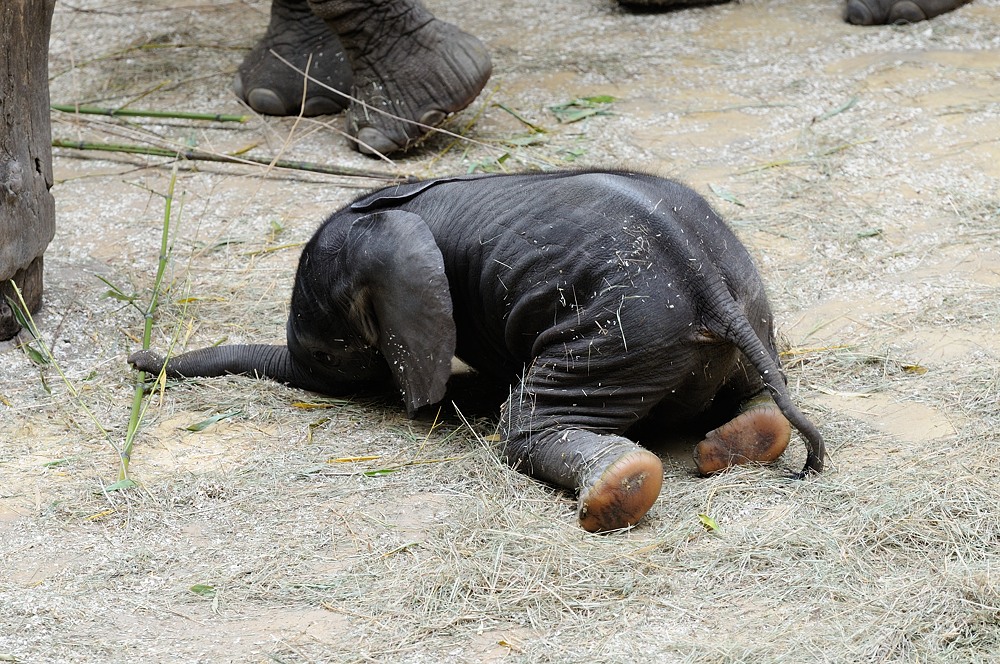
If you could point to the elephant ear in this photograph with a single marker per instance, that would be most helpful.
(400, 300)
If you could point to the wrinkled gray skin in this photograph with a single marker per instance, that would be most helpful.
(604, 298)
(877, 12)
(858, 12)
(408, 70)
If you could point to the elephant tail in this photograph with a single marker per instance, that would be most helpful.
(726, 319)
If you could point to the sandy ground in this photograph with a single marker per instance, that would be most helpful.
(861, 166)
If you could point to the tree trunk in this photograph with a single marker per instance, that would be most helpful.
(27, 209)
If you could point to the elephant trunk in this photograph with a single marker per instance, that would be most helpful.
(255, 360)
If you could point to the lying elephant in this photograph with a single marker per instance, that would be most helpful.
(408, 70)
(606, 298)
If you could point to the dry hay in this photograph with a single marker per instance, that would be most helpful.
(859, 165)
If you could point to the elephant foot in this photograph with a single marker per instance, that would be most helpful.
(271, 87)
(758, 434)
(879, 12)
(622, 492)
(427, 75)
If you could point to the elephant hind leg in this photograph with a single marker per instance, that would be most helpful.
(758, 434)
(619, 495)
(617, 480)
(563, 426)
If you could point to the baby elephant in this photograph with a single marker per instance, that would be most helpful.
(606, 298)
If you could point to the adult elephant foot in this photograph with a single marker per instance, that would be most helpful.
(879, 12)
(411, 70)
(758, 434)
(270, 86)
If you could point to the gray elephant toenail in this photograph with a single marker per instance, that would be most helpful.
(322, 106)
(266, 101)
(433, 118)
(858, 13)
(372, 141)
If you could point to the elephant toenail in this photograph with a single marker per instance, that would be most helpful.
(322, 106)
(372, 141)
(858, 13)
(266, 101)
(238, 86)
(433, 118)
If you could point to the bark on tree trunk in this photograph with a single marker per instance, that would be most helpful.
(27, 209)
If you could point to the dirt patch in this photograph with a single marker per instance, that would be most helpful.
(859, 164)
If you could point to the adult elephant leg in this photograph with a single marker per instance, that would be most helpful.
(270, 86)
(410, 69)
(563, 427)
(878, 12)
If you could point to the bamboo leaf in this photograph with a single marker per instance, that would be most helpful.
(36, 356)
(204, 424)
(582, 107)
(600, 99)
(840, 109)
(203, 589)
(121, 297)
(725, 194)
(115, 292)
(520, 118)
(381, 471)
(19, 316)
(711, 525)
(119, 485)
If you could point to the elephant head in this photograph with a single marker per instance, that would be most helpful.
(371, 300)
(372, 296)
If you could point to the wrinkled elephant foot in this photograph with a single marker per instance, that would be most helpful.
(271, 87)
(433, 72)
(622, 493)
(879, 12)
(758, 434)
